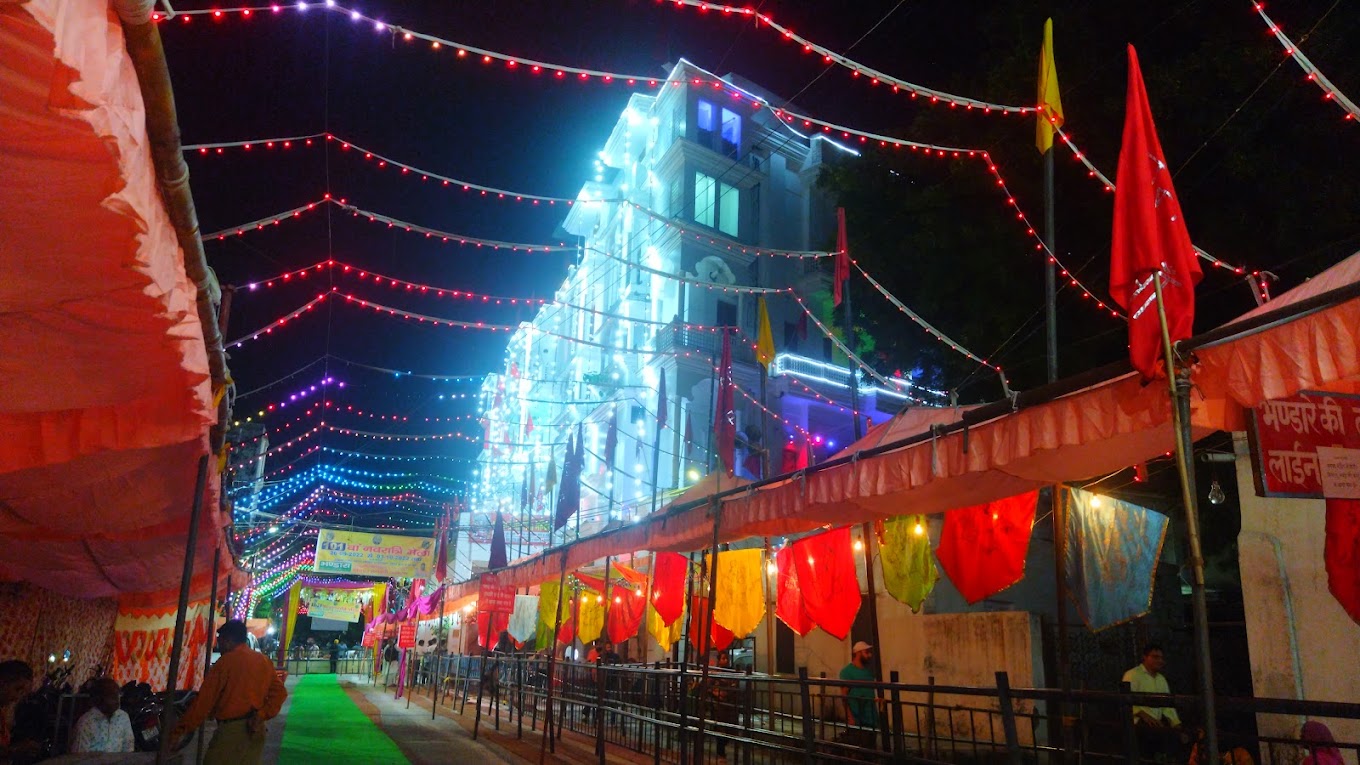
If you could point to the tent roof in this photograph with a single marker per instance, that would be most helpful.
(932, 460)
(102, 357)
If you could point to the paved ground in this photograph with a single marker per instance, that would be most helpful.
(448, 738)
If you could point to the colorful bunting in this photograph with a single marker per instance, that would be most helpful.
(828, 580)
(788, 598)
(909, 572)
(983, 548)
(1112, 553)
(739, 593)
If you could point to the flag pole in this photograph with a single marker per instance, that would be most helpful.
(1178, 378)
(656, 440)
(548, 721)
(1050, 273)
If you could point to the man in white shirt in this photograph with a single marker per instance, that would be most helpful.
(1159, 728)
(105, 728)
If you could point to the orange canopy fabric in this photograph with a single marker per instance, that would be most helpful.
(107, 392)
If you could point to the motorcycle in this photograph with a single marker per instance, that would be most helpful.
(35, 715)
(145, 709)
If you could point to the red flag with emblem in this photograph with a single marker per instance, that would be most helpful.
(1149, 237)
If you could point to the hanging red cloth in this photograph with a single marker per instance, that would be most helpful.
(1341, 554)
(626, 610)
(498, 625)
(827, 579)
(719, 636)
(983, 548)
(789, 599)
(668, 585)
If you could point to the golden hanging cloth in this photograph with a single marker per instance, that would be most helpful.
(739, 594)
(664, 636)
(909, 570)
(590, 617)
(550, 600)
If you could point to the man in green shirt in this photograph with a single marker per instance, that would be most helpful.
(861, 703)
(1159, 728)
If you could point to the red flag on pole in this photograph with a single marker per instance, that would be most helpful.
(1149, 237)
(724, 410)
(842, 258)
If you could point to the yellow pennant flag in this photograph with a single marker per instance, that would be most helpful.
(764, 338)
(664, 636)
(1050, 103)
(590, 617)
(739, 593)
(909, 572)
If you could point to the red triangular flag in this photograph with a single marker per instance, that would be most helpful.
(1149, 237)
(1341, 554)
(529, 423)
(789, 598)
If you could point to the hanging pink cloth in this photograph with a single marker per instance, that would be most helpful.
(789, 599)
(983, 548)
(827, 579)
(1341, 554)
(668, 585)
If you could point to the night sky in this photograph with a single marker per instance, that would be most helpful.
(297, 73)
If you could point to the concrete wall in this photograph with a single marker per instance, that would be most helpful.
(1303, 644)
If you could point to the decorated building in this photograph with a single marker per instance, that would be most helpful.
(703, 203)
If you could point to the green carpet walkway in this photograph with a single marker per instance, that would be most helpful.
(324, 725)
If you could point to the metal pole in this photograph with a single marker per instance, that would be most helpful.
(181, 612)
(770, 607)
(1050, 273)
(438, 682)
(1178, 378)
(684, 660)
(1059, 512)
(552, 664)
(867, 532)
(706, 638)
(656, 460)
(212, 625)
(849, 362)
(599, 673)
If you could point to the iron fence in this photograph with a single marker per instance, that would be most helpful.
(668, 713)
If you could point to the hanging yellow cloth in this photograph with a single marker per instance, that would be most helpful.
(550, 600)
(909, 571)
(590, 616)
(664, 636)
(739, 594)
(290, 618)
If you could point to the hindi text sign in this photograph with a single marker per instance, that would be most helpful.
(359, 553)
(495, 597)
(1285, 437)
(406, 635)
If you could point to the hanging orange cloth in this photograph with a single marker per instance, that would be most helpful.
(739, 594)
(828, 580)
(983, 547)
(664, 635)
(909, 572)
(719, 636)
(668, 585)
(788, 598)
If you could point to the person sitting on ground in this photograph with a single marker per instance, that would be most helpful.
(106, 727)
(243, 692)
(861, 703)
(1322, 749)
(16, 680)
(1158, 728)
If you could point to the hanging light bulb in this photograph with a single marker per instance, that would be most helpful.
(859, 545)
(918, 529)
(1216, 495)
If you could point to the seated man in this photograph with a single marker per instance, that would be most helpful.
(1159, 728)
(106, 727)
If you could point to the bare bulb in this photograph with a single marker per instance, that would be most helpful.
(918, 529)
(1216, 495)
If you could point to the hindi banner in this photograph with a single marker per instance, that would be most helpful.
(1285, 435)
(341, 605)
(366, 554)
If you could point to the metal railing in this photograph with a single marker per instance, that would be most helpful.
(664, 711)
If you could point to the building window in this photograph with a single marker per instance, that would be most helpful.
(677, 197)
(727, 314)
(731, 133)
(716, 205)
(717, 129)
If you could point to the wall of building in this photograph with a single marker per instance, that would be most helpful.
(1303, 644)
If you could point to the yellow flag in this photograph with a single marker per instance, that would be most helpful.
(740, 591)
(664, 636)
(590, 617)
(764, 338)
(1050, 103)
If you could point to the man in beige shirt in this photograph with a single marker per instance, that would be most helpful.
(1159, 728)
